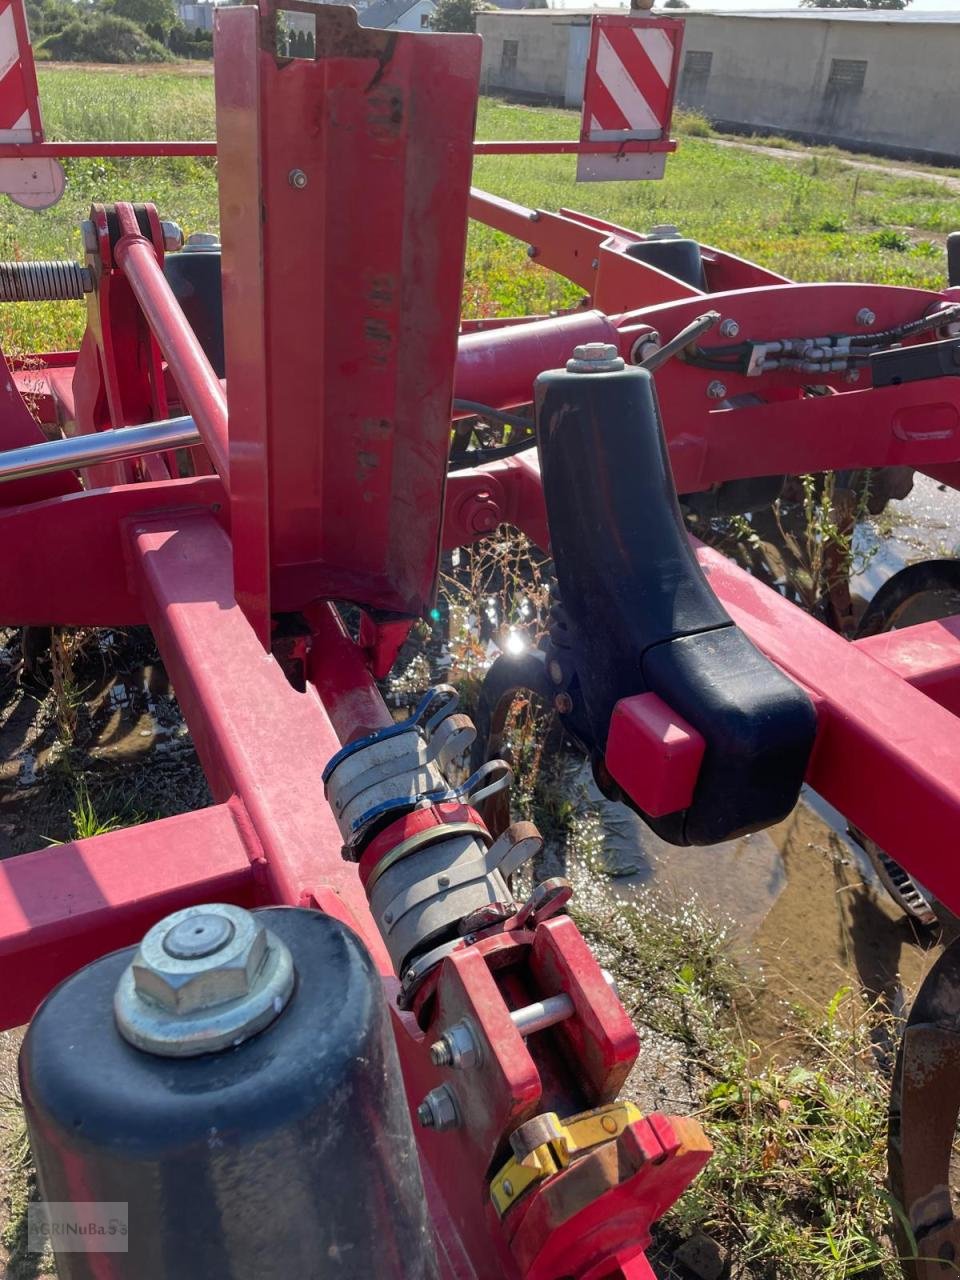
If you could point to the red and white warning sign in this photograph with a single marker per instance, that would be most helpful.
(38, 181)
(19, 102)
(628, 95)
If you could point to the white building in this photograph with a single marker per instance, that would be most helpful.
(398, 15)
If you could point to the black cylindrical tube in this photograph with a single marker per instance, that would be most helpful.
(194, 277)
(291, 1154)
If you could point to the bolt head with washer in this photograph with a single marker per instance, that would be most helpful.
(596, 357)
(297, 178)
(203, 979)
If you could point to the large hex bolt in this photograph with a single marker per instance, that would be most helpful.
(205, 978)
(458, 1047)
(172, 237)
(595, 357)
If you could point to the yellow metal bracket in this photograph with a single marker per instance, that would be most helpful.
(567, 1137)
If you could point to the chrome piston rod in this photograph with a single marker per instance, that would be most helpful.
(99, 446)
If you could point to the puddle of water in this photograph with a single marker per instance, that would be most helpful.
(922, 526)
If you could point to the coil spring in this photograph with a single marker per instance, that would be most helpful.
(43, 281)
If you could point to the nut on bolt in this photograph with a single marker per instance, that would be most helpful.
(438, 1110)
(717, 390)
(458, 1047)
(595, 357)
(172, 237)
(297, 178)
(729, 329)
(866, 317)
(203, 979)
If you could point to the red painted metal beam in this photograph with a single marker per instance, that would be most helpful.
(62, 907)
(886, 756)
(256, 736)
(64, 149)
(71, 556)
(926, 656)
(570, 147)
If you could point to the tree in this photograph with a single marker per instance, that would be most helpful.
(455, 15)
(156, 16)
(854, 4)
(105, 38)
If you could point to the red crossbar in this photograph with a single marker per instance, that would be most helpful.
(62, 907)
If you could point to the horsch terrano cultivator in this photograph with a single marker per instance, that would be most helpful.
(308, 1031)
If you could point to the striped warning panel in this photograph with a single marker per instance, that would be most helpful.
(17, 76)
(628, 91)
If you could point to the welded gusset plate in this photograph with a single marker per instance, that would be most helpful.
(924, 1104)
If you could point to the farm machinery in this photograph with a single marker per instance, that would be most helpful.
(309, 1030)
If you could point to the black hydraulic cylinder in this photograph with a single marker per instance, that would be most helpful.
(953, 258)
(194, 276)
(643, 618)
(291, 1154)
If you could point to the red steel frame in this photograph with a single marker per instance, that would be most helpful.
(302, 484)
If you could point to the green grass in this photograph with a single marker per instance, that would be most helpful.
(814, 220)
(795, 1187)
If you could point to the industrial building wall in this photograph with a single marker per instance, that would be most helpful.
(526, 54)
(886, 85)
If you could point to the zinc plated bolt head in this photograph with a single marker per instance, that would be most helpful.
(729, 329)
(203, 979)
(172, 237)
(866, 317)
(717, 390)
(297, 178)
(461, 1048)
(595, 357)
(227, 953)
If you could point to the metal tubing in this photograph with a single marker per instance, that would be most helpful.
(541, 1014)
(199, 386)
(99, 446)
(33, 150)
(499, 367)
(180, 147)
(547, 1013)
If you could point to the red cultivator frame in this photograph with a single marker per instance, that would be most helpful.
(316, 473)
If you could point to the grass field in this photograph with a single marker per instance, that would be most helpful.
(816, 219)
